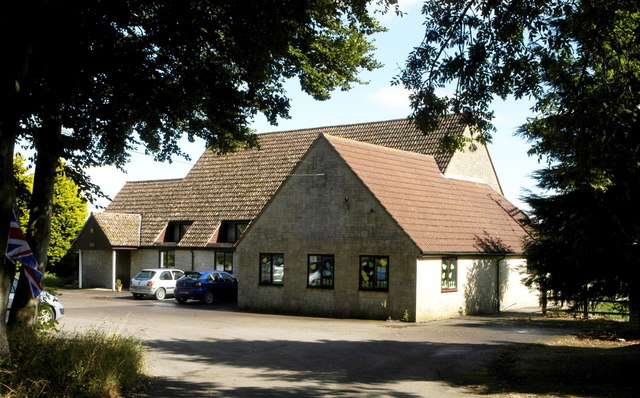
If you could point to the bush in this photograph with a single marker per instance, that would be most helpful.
(51, 280)
(93, 364)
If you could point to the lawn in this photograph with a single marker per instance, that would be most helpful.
(601, 361)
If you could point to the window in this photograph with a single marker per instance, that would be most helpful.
(231, 231)
(320, 270)
(214, 277)
(229, 278)
(224, 261)
(374, 272)
(271, 268)
(166, 276)
(167, 258)
(449, 277)
(176, 230)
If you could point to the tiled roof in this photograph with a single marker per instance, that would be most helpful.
(237, 185)
(121, 229)
(441, 215)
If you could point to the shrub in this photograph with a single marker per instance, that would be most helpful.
(93, 364)
(51, 280)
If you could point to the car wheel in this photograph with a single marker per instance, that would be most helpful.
(208, 297)
(137, 296)
(181, 300)
(161, 294)
(45, 315)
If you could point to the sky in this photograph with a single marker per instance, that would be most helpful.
(376, 101)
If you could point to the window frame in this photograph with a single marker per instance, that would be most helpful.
(169, 255)
(361, 280)
(322, 258)
(271, 255)
(445, 280)
(224, 264)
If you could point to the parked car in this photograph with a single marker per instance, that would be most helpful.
(49, 306)
(156, 282)
(206, 286)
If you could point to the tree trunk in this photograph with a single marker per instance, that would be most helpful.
(15, 55)
(47, 143)
(7, 199)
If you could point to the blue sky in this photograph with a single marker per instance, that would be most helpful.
(375, 101)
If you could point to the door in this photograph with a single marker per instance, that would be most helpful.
(123, 267)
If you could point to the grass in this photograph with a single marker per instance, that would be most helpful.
(49, 364)
(600, 362)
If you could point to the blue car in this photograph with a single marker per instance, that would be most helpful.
(207, 286)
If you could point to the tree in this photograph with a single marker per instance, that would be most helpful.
(24, 185)
(69, 215)
(580, 62)
(89, 80)
(69, 208)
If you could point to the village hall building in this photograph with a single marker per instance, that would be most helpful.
(365, 220)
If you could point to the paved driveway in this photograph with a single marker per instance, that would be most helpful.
(201, 350)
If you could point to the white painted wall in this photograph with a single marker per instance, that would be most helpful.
(517, 295)
(477, 288)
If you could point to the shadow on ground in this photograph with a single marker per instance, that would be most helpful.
(332, 368)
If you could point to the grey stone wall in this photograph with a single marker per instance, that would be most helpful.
(186, 259)
(323, 208)
(474, 163)
(96, 268)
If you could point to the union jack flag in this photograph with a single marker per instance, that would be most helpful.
(18, 250)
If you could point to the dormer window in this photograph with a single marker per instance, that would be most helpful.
(176, 230)
(231, 231)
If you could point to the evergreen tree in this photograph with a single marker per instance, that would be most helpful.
(580, 63)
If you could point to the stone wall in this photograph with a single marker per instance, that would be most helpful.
(186, 259)
(97, 268)
(323, 208)
(475, 164)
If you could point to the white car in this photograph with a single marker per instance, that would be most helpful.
(49, 306)
(156, 282)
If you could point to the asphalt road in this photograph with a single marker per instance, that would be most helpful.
(215, 351)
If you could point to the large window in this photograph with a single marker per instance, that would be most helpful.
(271, 268)
(320, 270)
(449, 276)
(374, 272)
(167, 259)
(224, 261)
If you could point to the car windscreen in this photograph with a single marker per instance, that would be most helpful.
(143, 275)
(191, 276)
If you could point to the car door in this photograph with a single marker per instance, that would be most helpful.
(213, 283)
(167, 281)
(230, 286)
